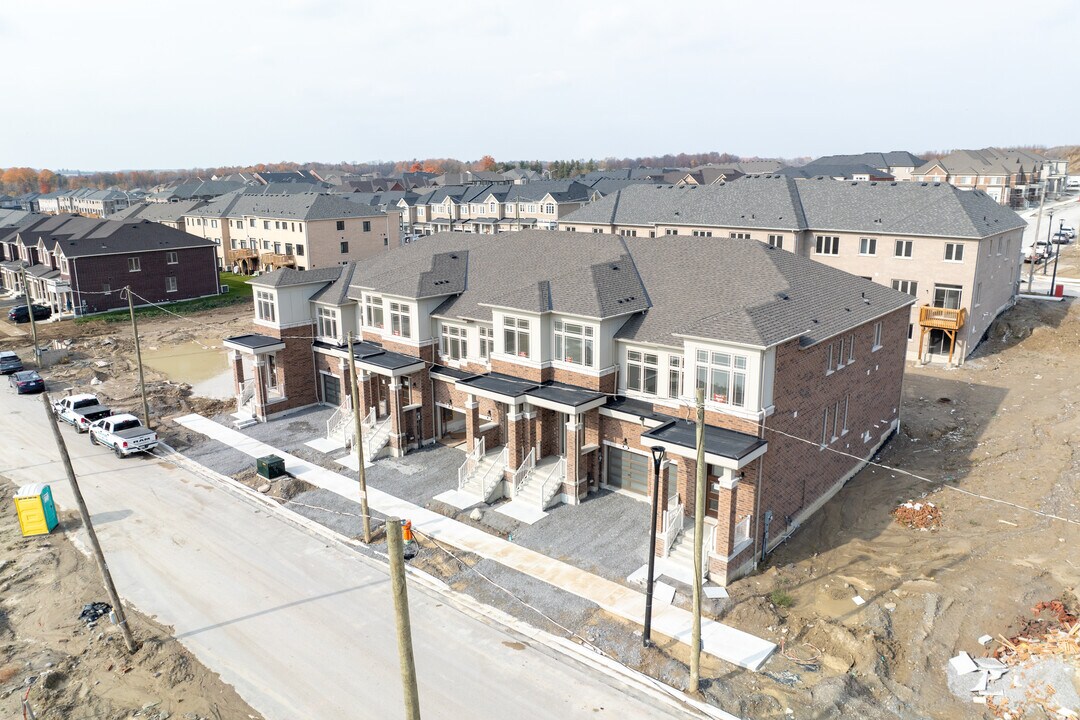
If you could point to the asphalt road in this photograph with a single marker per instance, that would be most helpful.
(301, 627)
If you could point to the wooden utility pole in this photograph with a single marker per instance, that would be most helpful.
(30, 314)
(138, 358)
(396, 549)
(699, 531)
(106, 576)
(358, 441)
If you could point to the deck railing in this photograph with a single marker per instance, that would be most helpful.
(942, 318)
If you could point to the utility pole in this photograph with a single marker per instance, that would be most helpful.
(106, 576)
(30, 314)
(359, 442)
(138, 358)
(1049, 244)
(699, 530)
(1035, 242)
(395, 548)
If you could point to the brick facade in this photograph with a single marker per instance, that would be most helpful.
(195, 272)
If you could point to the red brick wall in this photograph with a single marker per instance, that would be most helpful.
(296, 363)
(195, 272)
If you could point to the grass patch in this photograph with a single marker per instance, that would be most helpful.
(239, 292)
(781, 598)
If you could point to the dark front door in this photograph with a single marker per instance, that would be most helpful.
(331, 386)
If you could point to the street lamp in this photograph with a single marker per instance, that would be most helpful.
(1057, 253)
(1049, 245)
(657, 459)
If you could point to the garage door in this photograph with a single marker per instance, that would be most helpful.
(331, 390)
(627, 470)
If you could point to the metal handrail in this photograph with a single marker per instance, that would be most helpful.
(559, 474)
(369, 441)
(369, 419)
(469, 466)
(247, 391)
(523, 470)
(338, 418)
(488, 485)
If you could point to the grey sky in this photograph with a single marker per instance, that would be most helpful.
(120, 84)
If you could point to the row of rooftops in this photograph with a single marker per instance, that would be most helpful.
(783, 203)
(76, 236)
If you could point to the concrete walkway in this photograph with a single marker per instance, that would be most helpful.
(719, 640)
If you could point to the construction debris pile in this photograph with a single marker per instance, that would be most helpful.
(1032, 672)
(918, 515)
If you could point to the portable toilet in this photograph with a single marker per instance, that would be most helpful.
(35, 508)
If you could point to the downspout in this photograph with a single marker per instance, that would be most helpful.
(78, 295)
(759, 554)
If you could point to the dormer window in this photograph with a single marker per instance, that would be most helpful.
(265, 309)
(722, 376)
(399, 320)
(516, 337)
(328, 322)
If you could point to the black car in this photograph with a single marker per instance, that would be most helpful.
(21, 314)
(26, 381)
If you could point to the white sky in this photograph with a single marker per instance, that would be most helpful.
(119, 85)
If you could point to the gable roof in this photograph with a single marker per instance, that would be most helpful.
(879, 160)
(77, 236)
(337, 292)
(286, 277)
(294, 206)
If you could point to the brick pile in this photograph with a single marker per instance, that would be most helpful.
(918, 515)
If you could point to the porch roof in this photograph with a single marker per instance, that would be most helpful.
(253, 343)
(640, 408)
(564, 394)
(719, 442)
(499, 384)
(449, 372)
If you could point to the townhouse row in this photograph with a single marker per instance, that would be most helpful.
(561, 375)
(958, 253)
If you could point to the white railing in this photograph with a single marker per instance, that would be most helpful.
(247, 391)
(742, 531)
(673, 525)
(480, 448)
(523, 470)
(375, 439)
(553, 481)
(369, 419)
(469, 466)
(494, 474)
(336, 424)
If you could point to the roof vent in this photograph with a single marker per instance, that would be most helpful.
(925, 184)
(892, 183)
(814, 320)
(614, 267)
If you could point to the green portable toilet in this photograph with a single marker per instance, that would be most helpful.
(270, 466)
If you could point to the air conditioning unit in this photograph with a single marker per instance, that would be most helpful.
(225, 289)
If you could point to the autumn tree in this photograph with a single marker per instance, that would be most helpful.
(486, 164)
(46, 181)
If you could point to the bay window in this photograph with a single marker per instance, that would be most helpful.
(516, 337)
(574, 343)
(453, 342)
(722, 376)
(399, 319)
(328, 322)
(373, 312)
(675, 375)
(487, 342)
(641, 371)
(264, 306)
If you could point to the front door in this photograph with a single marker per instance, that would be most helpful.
(331, 390)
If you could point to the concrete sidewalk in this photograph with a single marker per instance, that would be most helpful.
(719, 640)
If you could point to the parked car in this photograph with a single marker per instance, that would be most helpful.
(21, 313)
(26, 381)
(80, 410)
(124, 434)
(1060, 238)
(9, 362)
(1070, 232)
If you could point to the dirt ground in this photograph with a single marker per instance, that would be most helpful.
(72, 671)
(1006, 426)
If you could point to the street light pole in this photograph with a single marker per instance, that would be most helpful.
(1049, 245)
(657, 459)
(1057, 254)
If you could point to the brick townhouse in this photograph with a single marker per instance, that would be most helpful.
(561, 375)
(958, 253)
(299, 230)
(78, 265)
(1015, 178)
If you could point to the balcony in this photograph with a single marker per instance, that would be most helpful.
(942, 318)
(277, 260)
(233, 256)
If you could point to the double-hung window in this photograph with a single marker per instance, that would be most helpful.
(328, 324)
(722, 376)
(170, 284)
(399, 320)
(574, 343)
(134, 264)
(903, 248)
(453, 342)
(868, 246)
(373, 312)
(487, 342)
(828, 245)
(675, 375)
(641, 371)
(776, 241)
(171, 258)
(954, 252)
(516, 337)
(264, 306)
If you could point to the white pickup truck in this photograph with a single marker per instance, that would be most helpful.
(80, 410)
(124, 434)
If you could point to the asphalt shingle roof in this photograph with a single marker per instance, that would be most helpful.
(284, 277)
(294, 206)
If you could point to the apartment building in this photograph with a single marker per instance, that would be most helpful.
(1015, 178)
(957, 253)
(79, 265)
(298, 230)
(562, 375)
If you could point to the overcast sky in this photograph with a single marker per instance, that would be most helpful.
(118, 85)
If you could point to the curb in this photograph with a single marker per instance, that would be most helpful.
(554, 645)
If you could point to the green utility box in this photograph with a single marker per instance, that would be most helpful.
(270, 467)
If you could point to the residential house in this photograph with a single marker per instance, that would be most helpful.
(197, 190)
(470, 178)
(494, 208)
(79, 265)
(957, 253)
(99, 203)
(895, 164)
(1014, 178)
(562, 375)
(300, 230)
(170, 214)
(846, 171)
